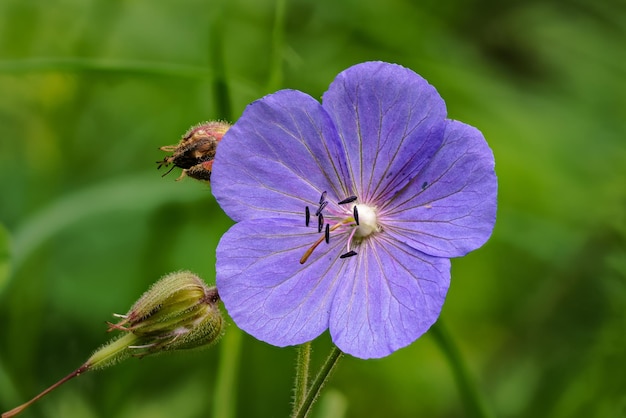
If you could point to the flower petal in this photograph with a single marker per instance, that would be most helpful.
(390, 121)
(266, 290)
(394, 296)
(449, 209)
(280, 156)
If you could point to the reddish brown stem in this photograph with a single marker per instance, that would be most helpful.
(13, 412)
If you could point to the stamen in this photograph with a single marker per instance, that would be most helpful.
(349, 242)
(320, 222)
(321, 208)
(308, 252)
(307, 216)
(327, 233)
(347, 200)
(323, 197)
(350, 253)
(355, 212)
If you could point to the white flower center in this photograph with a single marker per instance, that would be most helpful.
(367, 220)
(355, 224)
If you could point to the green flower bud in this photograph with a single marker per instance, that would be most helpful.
(179, 312)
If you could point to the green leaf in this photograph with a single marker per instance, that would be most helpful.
(5, 257)
(141, 192)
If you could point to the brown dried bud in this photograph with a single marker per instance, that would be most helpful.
(196, 150)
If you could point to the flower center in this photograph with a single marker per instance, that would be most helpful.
(357, 223)
(366, 220)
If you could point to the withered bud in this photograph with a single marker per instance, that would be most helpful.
(179, 312)
(196, 150)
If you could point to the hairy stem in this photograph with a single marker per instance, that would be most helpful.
(318, 383)
(301, 383)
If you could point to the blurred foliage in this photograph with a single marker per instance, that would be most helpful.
(92, 88)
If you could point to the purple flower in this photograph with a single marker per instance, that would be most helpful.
(347, 212)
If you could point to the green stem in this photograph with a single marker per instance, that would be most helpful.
(112, 352)
(301, 384)
(318, 383)
(475, 405)
(276, 63)
(224, 396)
(216, 54)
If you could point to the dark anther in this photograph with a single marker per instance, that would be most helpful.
(347, 200)
(355, 213)
(327, 233)
(323, 197)
(348, 254)
(307, 216)
(321, 208)
(424, 185)
(320, 222)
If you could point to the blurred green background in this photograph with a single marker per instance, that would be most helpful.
(89, 89)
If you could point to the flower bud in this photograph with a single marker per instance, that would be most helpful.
(179, 312)
(196, 150)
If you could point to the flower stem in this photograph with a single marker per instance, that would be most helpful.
(317, 385)
(475, 405)
(106, 355)
(224, 396)
(301, 384)
(276, 64)
(216, 53)
(13, 412)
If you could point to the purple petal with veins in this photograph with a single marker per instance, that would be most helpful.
(397, 190)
